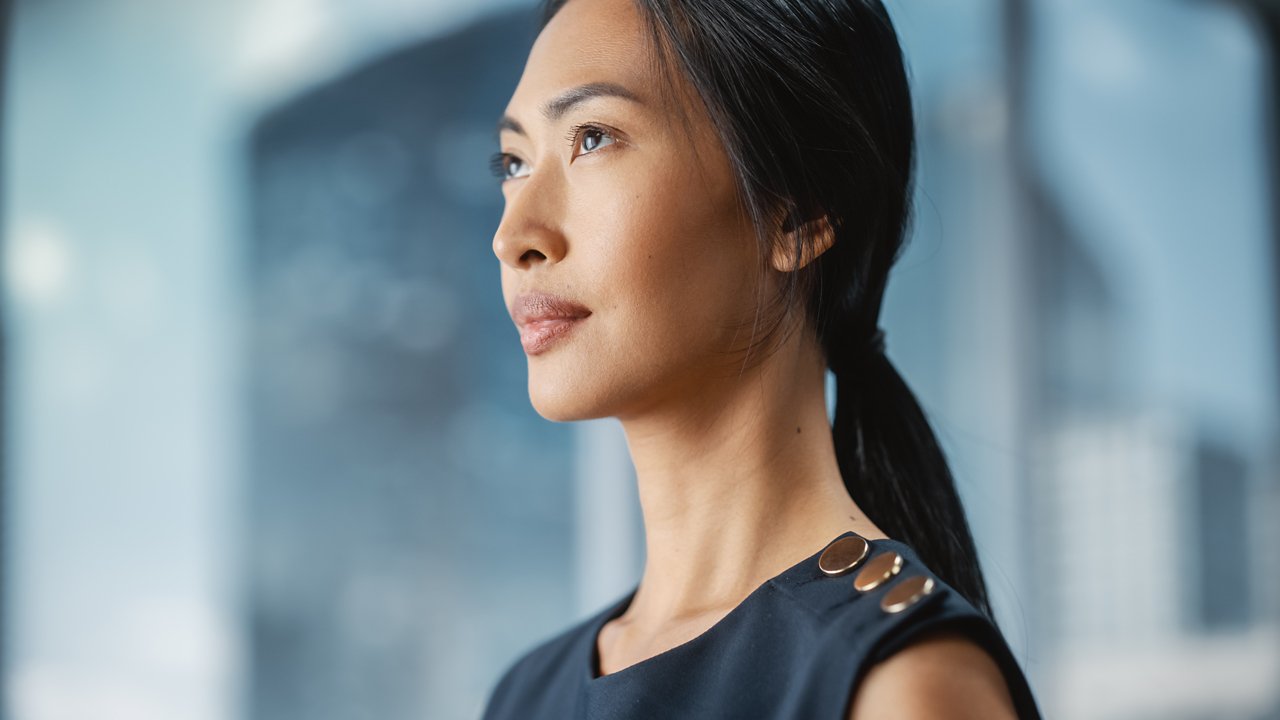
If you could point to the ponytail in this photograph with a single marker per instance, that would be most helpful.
(894, 468)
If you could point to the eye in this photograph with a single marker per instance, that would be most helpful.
(500, 168)
(589, 136)
(586, 136)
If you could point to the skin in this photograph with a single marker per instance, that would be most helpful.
(941, 676)
(736, 469)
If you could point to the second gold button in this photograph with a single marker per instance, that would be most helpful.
(879, 570)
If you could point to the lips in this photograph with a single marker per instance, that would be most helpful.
(544, 319)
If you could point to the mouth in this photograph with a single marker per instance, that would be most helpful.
(544, 319)
(538, 336)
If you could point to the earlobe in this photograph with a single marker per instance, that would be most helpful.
(818, 236)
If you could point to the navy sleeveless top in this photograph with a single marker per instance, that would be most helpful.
(796, 647)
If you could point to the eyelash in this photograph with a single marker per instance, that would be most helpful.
(498, 161)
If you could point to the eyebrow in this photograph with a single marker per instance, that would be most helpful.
(556, 107)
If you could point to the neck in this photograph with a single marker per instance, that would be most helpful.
(737, 483)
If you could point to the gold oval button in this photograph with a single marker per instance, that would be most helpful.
(879, 570)
(906, 593)
(843, 555)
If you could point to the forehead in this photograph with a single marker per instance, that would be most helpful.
(588, 41)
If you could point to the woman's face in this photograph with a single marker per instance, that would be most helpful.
(624, 219)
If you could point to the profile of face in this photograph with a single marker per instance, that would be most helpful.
(608, 205)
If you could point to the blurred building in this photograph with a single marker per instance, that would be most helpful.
(1153, 590)
(403, 498)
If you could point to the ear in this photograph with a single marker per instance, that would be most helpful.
(818, 235)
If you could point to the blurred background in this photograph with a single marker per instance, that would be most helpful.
(268, 450)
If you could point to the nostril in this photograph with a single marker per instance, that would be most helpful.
(526, 256)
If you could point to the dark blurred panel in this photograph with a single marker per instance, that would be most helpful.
(1224, 599)
(405, 498)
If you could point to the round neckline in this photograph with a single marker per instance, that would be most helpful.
(619, 607)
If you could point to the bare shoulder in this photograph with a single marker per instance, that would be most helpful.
(941, 675)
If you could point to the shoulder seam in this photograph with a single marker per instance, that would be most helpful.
(795, 599)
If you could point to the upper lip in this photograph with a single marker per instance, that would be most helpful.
(535, 306)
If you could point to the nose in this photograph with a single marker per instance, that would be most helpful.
(529, 233)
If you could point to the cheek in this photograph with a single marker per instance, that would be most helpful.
(675, 263)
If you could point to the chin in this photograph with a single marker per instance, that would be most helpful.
(560, 395)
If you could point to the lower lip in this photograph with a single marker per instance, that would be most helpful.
(538, 337)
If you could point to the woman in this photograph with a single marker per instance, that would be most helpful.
(703, 201)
